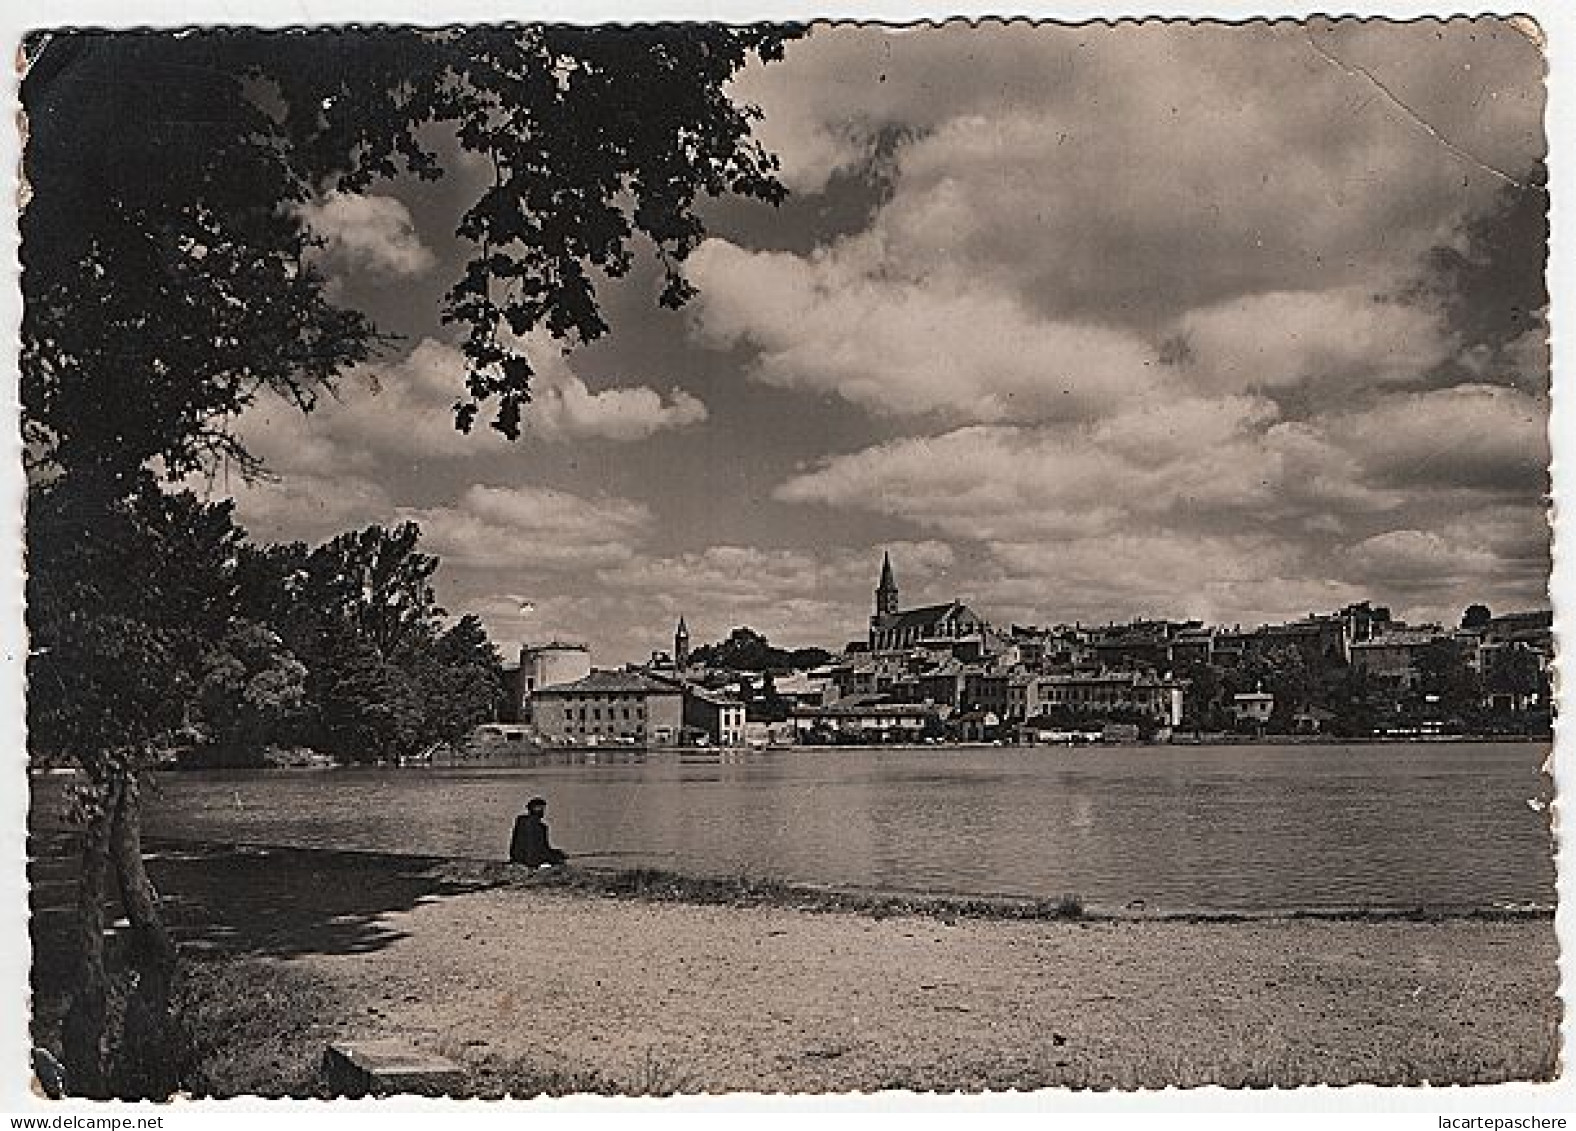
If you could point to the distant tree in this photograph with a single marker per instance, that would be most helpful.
(1352, 700)
(1204, 698)
(1516, 670)
(376, 584)
(384, 676)
(1444, 676)
(368, 709)
(1476, 616)
(460, 679)
(746, 650)
(251, 685)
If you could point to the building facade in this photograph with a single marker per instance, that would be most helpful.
(609, 708)
(719, 717)
(1155, 696)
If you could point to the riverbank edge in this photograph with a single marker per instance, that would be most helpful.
(745, 889)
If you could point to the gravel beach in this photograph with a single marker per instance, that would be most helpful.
(539, 987)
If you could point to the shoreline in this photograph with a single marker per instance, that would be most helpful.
(641, 982)
(667, 885)
(502, 754)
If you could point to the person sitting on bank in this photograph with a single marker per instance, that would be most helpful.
(530, 845)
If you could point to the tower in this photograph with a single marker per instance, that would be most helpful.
(680, 645)
(886, 590)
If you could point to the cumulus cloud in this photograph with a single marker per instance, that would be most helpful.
(368, 233)
(1098, 197)
(1421, 556)
(1125, 172)
(833, 324)
(531, 529)
(1337, 339)
(566, 408)
(1224, 459)
(404, 407)
(305, 506)
(1477, 437)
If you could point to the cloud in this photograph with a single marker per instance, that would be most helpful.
(1476, 437)
(1131, 173)
(1193, 460)
(1338, 340)
(531, 530)
(404, 408)
(1222, 506)
(567, 409)
(1421, 557)
(832, 323)
(1241, 577)
(304, 506)
(368, 234)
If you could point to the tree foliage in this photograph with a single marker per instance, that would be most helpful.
(165, 249)
(746, 650)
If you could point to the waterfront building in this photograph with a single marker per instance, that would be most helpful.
(541, 665)
(942, 683)
(986, 692)
(861, 721)
(609, 707)
(1252, 707)
(806, 689)
(719, 717)
(1157, 697)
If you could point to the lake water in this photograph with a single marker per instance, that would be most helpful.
(1227, 828)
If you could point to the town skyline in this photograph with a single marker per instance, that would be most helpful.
(855, 635)
(1120, 330)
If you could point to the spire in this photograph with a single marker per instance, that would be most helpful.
(681, 644)
(886, 589)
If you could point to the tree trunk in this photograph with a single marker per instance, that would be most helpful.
(85, 1037)
(149, 1061)
(152, 950)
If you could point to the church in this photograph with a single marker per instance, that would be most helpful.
(894, 629)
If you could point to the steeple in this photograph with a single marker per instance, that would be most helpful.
(681, 644)
(886, 589)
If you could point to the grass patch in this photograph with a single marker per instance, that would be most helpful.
(255, 1029)
(496, 1078)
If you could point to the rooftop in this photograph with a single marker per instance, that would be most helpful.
(923, 617)
(612, 683)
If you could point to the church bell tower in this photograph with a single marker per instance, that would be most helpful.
(886, 589)
(681, 645)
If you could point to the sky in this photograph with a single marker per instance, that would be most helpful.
(1079, 323)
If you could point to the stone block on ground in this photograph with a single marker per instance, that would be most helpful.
(388, 1066)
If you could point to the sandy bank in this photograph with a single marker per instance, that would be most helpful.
(526, 983)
